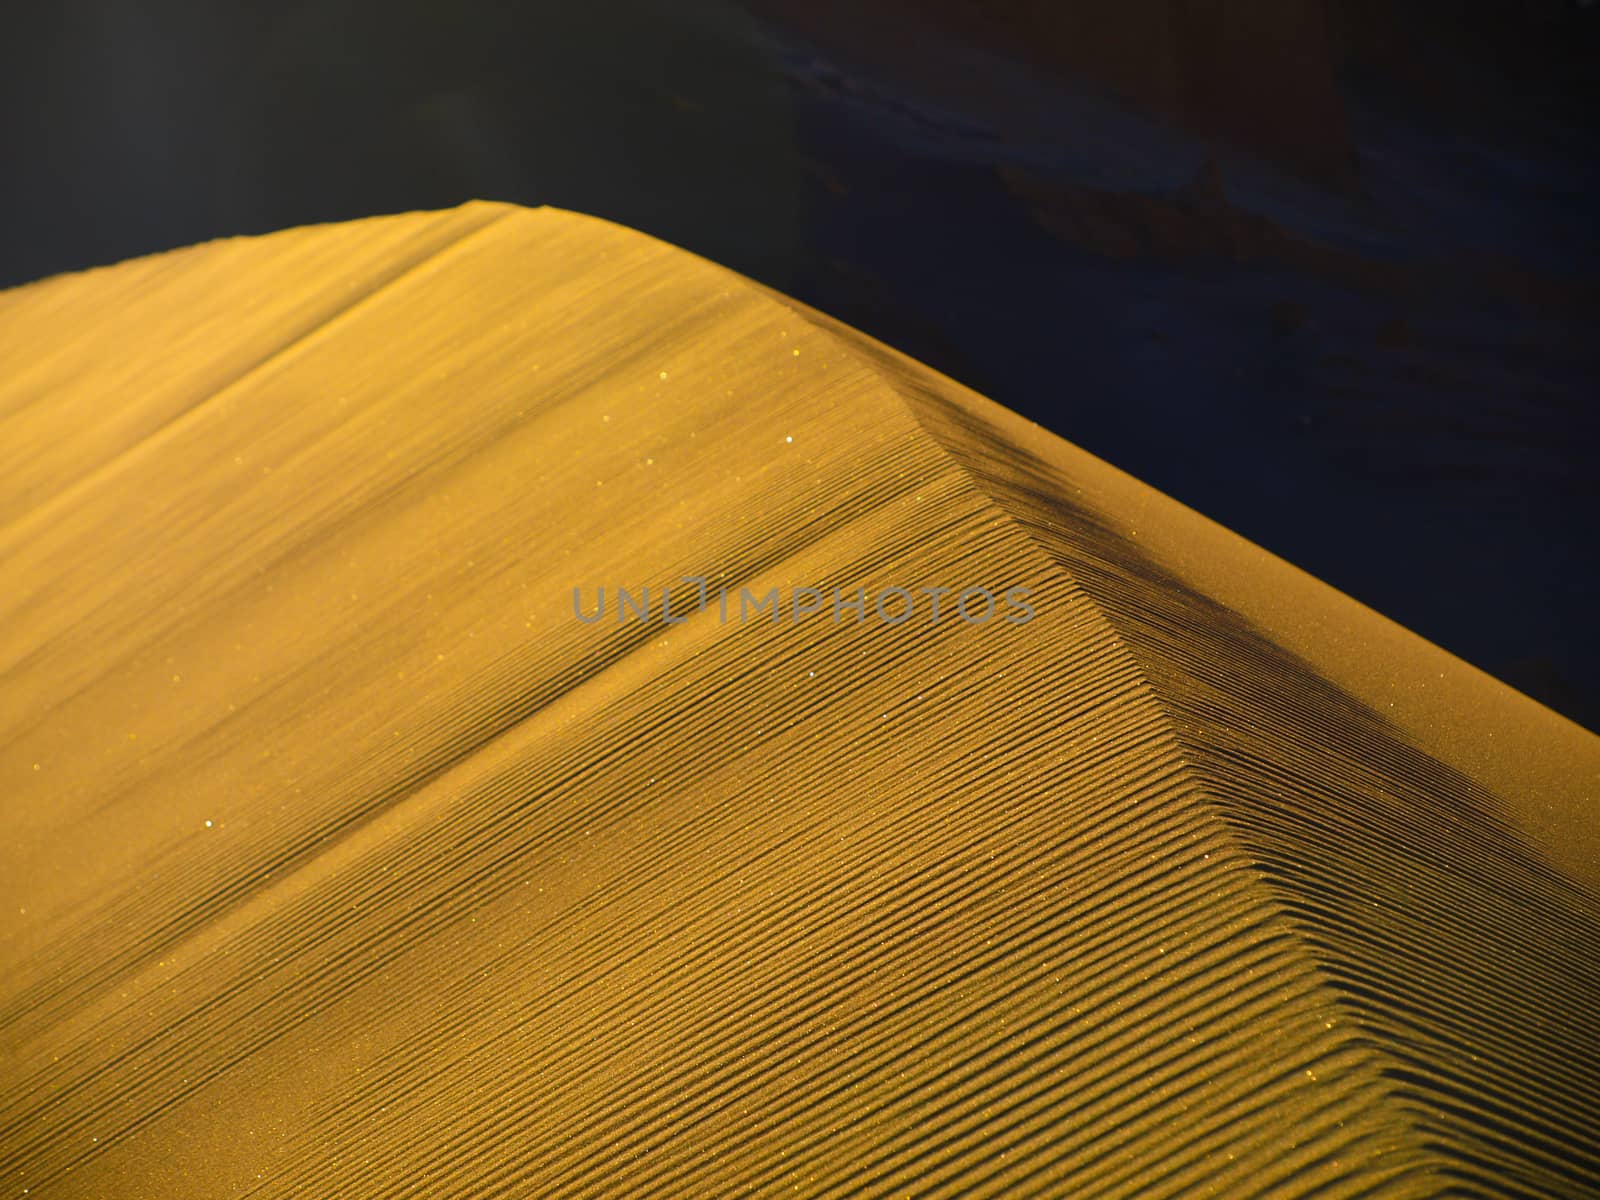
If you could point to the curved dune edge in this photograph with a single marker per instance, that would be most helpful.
(341, 860)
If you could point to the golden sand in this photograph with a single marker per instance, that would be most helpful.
(339, 860)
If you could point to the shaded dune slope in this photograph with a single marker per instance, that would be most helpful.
(340, 859)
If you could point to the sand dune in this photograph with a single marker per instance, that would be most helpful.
(340, 859)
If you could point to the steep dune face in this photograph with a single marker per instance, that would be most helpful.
(1400, 873)
(340, 857)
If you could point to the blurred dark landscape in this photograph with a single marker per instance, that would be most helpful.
(1321, 269)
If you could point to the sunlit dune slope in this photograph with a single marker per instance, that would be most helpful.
(339, 858)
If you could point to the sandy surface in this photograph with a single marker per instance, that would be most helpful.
(339, 859)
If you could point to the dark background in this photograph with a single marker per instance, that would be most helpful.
(1322, 269)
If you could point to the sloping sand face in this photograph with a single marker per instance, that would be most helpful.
(341, 857)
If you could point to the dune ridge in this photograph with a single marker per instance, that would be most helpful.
(340, 859)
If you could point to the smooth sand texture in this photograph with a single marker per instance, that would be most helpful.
(339, 859)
